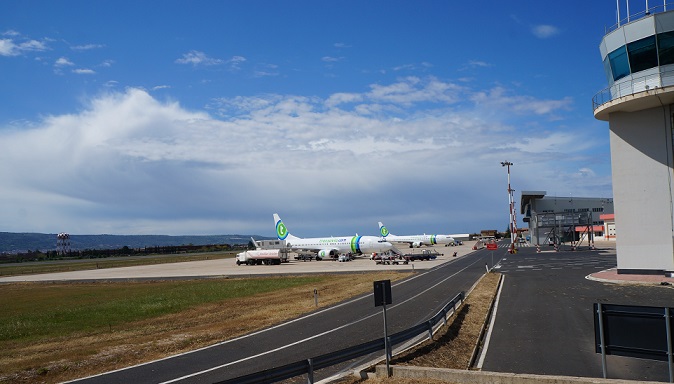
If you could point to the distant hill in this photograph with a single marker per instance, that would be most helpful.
(22, 242)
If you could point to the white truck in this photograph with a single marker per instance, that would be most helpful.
(259, 256)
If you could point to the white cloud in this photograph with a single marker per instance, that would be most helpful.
(198, 58)
(264, 70)
(478, 63)
(235, 62)
(86, 47)
(330, 59)
(84, 71)
(8, 48)
(128, 163)
(32, 45)
(545, 31)
(499, 98)
(62, 62)
(415, 90)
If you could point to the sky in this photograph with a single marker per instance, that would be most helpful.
(206, 117)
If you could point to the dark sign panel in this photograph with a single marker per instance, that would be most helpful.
(382, 292)
(633, 331)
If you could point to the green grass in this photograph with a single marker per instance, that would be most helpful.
(87, 264)
(32, 311)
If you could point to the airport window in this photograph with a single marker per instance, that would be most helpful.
(642, 54)
(620, 67)
(666, 48)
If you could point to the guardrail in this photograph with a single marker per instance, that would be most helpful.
(632, 86)
(308, 366)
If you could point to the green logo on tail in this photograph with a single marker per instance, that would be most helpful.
(281, 230)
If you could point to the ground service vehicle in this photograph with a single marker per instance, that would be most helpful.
(259, 256)
(425, 254)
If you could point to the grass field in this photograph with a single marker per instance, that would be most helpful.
(52, 332)
(35, 311)
(112, 262)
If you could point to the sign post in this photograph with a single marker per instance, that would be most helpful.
(492, 247)
(382, 296)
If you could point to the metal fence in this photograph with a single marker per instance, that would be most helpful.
(308, 366)
(631, 85)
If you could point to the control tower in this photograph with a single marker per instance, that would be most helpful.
(638, 56)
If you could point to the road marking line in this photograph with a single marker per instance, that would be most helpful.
(491, 326)
(320, 334)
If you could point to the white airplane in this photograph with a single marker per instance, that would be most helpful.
(415, 241)
(331, 246)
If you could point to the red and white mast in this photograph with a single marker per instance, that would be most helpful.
(511, 202)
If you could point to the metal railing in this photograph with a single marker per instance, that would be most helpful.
(632, 86)
(308, 366)
(638, 15)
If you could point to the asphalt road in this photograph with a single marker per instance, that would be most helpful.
(544, 322)
(347, 324)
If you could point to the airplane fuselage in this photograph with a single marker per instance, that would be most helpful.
(418, 240)
(414, 240)
(349, 244)
(331, 246)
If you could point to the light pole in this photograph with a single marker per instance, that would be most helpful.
(511, 202)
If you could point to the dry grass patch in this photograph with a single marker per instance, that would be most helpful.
(454, 344)
(59, 358)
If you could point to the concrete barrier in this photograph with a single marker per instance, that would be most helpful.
(483, 377)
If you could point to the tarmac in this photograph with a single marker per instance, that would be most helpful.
(228, 268)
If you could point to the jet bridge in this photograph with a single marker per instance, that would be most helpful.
(558, 228)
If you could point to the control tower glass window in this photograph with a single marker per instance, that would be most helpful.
(642, 54)
(666, 48)
(620, 67)
(607, 69)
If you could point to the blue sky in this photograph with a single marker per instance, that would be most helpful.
(206, 117)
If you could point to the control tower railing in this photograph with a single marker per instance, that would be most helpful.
(641, 14)
(633, 85)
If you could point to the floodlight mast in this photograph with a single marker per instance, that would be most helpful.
(511, 202)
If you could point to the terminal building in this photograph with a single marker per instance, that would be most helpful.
(638, 57)
(557, 220)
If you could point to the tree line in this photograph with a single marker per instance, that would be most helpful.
(38, 255)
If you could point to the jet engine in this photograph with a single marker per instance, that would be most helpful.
(416, 244)
(323, 253)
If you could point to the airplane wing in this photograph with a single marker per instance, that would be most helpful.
(326, 252)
